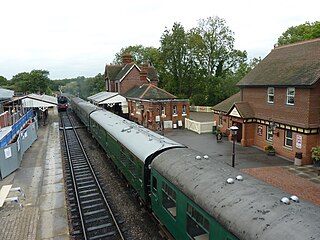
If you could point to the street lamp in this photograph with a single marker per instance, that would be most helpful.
(234, 133)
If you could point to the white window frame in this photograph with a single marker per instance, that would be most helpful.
(286, 138)
(291, 92)
(174, 110)
(163, 110)
(184, 110)
(270, 94)
(269, 136)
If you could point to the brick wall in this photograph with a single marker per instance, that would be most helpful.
(143, 117)
(131, 80)
(303, 113)
(314, 111)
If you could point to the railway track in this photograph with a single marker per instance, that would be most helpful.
(90, 213)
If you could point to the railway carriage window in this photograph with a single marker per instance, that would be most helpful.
(122, 156)
(197, 224)
(140, 171)
(154, 185)
(169, 199)
(131, 166)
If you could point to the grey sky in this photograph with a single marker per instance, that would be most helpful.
(77, 38)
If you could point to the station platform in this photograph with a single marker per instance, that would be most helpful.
(40, 176)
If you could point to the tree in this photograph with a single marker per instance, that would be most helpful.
(3, 81)
(140, 54)
(37, 81)
(174, 58)
(84, 87)
(199, 63)
(302, 32)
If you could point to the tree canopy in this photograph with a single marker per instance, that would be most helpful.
(37, 81)
(200, 64)
(302, 32)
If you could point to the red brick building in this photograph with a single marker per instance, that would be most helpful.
(279, 102)
(148, 104)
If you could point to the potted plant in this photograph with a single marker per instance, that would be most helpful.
(315, 155)
(270, 150)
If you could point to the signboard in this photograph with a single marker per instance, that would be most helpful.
(298, 141)
(260, 128)
(235, 113)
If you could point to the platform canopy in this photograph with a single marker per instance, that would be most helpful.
(109, 99)
(39, 101)
(6, 94)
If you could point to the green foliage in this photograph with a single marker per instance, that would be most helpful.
(3, 81)
(85, 87)
(300, 33)
(315, 153)
(140, 54)
(201, 64)
(37, 81)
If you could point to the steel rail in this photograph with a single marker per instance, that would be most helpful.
(96, 181)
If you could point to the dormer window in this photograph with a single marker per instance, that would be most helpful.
(290, 95)
(270, 95)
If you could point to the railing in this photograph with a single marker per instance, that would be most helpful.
(200, 109)
(199, 127)
(15, 128)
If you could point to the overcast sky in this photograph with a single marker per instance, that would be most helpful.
(77, 38)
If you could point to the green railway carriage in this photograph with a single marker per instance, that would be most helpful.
(83, 110)
(191, 197)
(183, 217)
(130, 146)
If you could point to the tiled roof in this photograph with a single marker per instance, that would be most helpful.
(148, 91)
(226, 104)
(124, 71)
(136, 92)
(244, 109)
(291, 65)
(112, 71)
(152, 74)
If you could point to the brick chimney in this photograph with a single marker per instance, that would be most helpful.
(126, 58)
(144, 71)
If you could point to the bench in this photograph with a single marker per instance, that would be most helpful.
(4, 195)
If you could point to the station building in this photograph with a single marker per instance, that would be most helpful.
(279, 102)
(148, 104)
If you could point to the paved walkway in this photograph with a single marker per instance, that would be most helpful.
(44, 214)
(302, 181)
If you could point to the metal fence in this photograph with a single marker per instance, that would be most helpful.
(11, 154)
(15, 128)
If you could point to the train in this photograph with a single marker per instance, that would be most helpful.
(62, 103)
(192, 195)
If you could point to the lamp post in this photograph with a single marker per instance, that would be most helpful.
(234, 133)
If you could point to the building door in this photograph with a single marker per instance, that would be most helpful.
(239, 132)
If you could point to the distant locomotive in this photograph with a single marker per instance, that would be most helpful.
(187, 190)
(62, 103)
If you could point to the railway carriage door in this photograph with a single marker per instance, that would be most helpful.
(155, 189)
